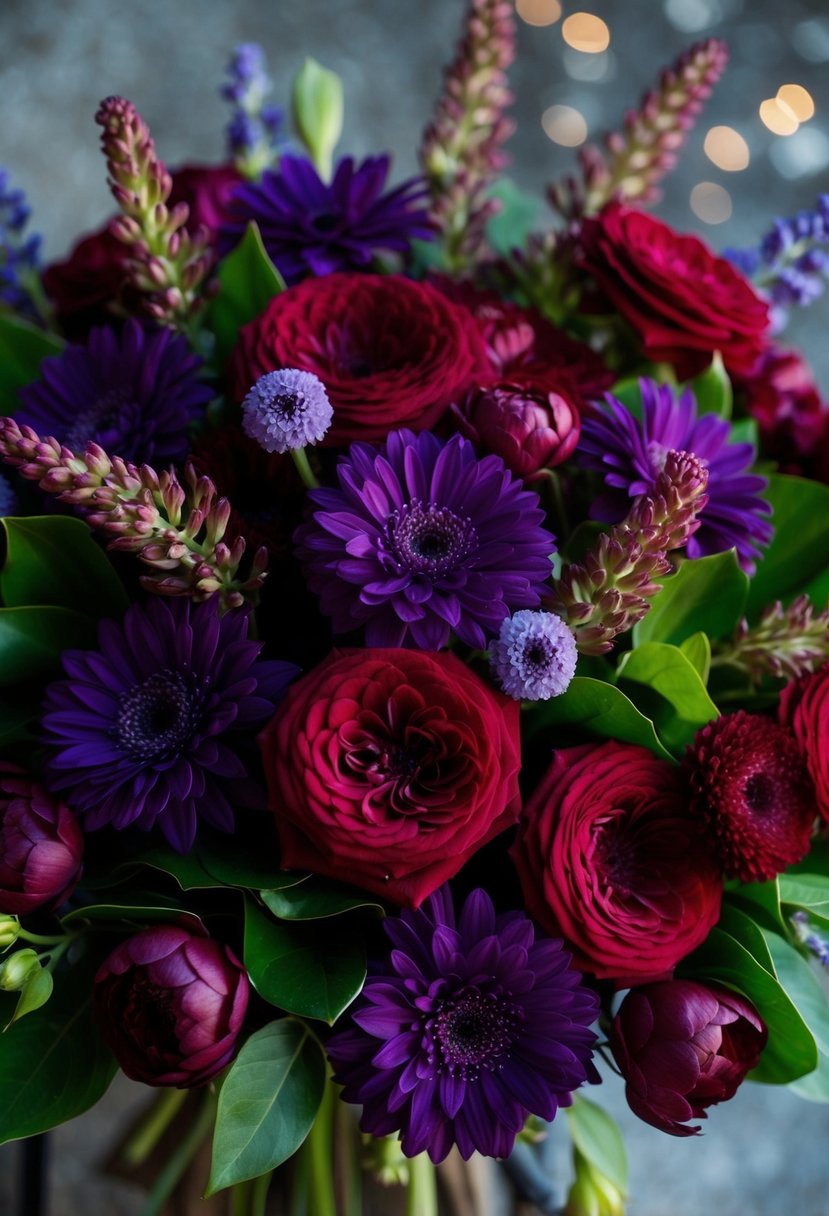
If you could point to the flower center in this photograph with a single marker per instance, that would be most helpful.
(325, 222)
(475, 1030)
(537, 656)
(157, 718)
(150, 1015)
(105, 415)
(287, 405)
(759, 792)
(432, 540)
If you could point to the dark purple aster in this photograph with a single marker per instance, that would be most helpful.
(136, 733)
(421, 538)
(309, 226)
(465, 1031)
(631, 452)
(134, 392)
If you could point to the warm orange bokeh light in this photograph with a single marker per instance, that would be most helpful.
(586, 32)
(538, 12)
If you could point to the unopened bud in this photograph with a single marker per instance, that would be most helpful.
(18, 969)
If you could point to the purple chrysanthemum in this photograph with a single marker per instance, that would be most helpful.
(631, 454)
(312, 227)
(534, 656)
(136, 731)
(286, 409)
(134, 392)
(465, 1030)
(421, 538)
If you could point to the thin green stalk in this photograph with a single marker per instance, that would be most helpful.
(40, 939)
(351, 1175)
(322, 1201)
(159, 1117)
(300, 458)
(173, 1171)
(422, 1193)
(259, 1194)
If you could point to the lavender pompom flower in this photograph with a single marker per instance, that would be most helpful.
(135, 393)
(422, 538)
(534, 656)
(312, 227)
(136, 732)
(631, 453)
(286, 409)
(466, 1029)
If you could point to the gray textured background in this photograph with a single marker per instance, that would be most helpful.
(764, 1152)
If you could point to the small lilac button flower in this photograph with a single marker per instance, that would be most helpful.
(286, 409)
(534, 656)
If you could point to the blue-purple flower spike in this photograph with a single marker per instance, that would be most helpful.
(286, 409)
(466, 1028)
(254, 133)
(19, 254)
(534, 656)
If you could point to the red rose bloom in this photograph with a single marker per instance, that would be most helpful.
(804, 708)
(391, 352)
(390, 768)
(793, 419)
(610, 857)
(683, 301)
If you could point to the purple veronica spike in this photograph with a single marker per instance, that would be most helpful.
(134, 393)
(312, 227)
(534, 656)
(286, 409)
(422, 538)
(465, 1030)
(631, 454)
(136, 732)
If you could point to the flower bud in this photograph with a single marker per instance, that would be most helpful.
(170, 1004)
(41, 845)
(9, 931)
(593, 1193)
(529, 427)
(317, 100)
(18, 969)
(683, 1046)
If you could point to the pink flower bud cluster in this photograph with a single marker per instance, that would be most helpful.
(786, 642)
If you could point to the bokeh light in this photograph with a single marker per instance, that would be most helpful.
(798, 99)
(711, 203)
(727, 149)
(779, 117)
(586, 32)
(538, 12)
(564, 125)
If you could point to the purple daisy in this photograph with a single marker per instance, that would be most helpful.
(134, 392)
(136, 732)
(312, 227)
(631, 452)
(465, 1030)
(421, 538)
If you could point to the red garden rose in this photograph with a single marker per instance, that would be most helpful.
(683, 301)
(610, 857)
(390, 768)
(391, 352)
(804, 708)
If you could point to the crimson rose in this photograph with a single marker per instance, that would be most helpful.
(391, 352)
(792, 417)
(610, 857)
(390, 768)
(683, 301)
(804, 708)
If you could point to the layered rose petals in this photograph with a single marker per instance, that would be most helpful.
(804, 707)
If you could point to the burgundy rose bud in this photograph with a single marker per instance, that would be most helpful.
(529, 426)
(41, 845)
(170, 1004)
(682, 1047)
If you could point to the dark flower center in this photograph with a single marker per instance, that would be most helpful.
(537, 655)
(151, 1016)
(325, 222)
(287, 405)
(759, 791)
(105, 415)
(428, 539)
(474, 1030)
(157, 718)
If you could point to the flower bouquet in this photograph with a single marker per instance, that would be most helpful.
(415, 652)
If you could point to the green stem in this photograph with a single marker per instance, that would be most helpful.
(54, 955)
(422, 1194)
(166, 1181)
(259, 1194)
(322, 1201)
(39, 939)
(159, 1117)
(300, 457)
(351, 1177)
(300, 1182)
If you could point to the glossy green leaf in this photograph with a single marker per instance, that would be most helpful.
(517, 218)
(668, 689)
(23, 348)
(53, 559)
(316, 900)
(267, 1103)
(697, 650)
(53, 1062)
(814, 1087)
(818, 590)
(707, 595)
(32, 640)
(595, 708)
(252, 862)
(712, 389)
(186, 868)
(34, 995)
(760, 899)
(304, 968)
(248, 281)
(807, 891)
(801, 986)
(799, 551)
(745, 430)
(597, 1137)
(136, 909)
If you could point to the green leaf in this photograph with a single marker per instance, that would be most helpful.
(807, 891)
(267, 1103)
(53, 559)
(248, 281)
(515, 221)
(120, 860)
(33, 638)
(137, 909)
(252, 862)
(23, 348)
(712, 389)
(707, 595)
(665, 686)
(697, 650)
(745, 430)
(316, 900)
(33, 995)
(317, 104)
(818, 590)
(308, 969)
(629, 392)
(801, 986)
(763, 900)
(599, 1140)
(814, 1087)
(53, 1063)
(799, 551)
(597, 708)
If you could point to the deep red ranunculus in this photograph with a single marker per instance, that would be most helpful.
(683, 1046)
(41, 845)
(390, 768)
(610, 857)
(391, 352)
(792, 417)
(170, 1004)
(682, 300)
(804, 708)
